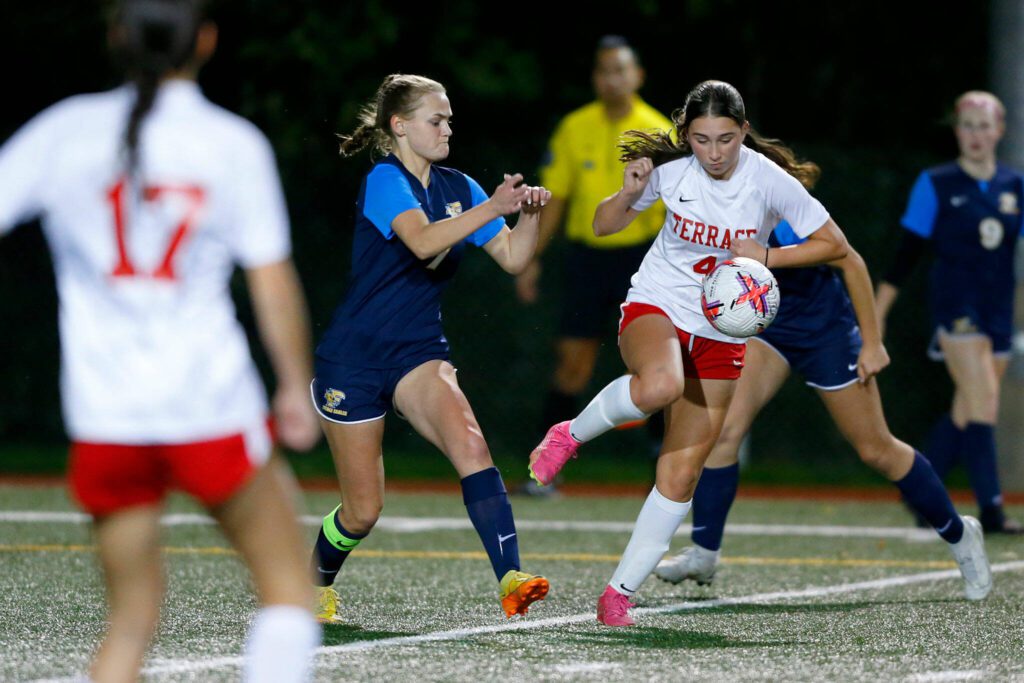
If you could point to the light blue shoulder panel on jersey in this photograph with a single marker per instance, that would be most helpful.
(786, 237)
(388, 194)
(922, 207)
(486, 233)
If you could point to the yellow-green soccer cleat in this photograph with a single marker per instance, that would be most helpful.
(519, 590)
(328, 604)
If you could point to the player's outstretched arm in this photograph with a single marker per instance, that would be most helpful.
(616, 212)
(873, 357)
(514, 249)
(426, 239)
(824, 245)
(283, 322)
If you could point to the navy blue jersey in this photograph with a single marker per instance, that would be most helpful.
(813, 305)
(973, 226)
(391, 314)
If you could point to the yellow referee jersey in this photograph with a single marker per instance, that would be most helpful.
(583, 168)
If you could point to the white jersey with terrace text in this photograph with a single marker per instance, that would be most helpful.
(704, 217)
(151, 350)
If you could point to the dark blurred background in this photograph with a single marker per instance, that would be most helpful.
(864, 89)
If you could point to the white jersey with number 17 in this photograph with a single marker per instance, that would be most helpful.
(151, 349)
(704, 217)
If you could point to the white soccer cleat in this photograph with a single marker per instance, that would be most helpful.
(694, 563)
(969, 552)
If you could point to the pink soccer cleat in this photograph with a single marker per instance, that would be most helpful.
(613, 608)
(548, 459)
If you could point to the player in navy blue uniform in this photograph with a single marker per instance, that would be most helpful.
(969, 212)
(816, 333)
(385, 348)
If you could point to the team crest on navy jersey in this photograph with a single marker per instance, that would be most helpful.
(1008, 203)
(453, 209)
(333, 399)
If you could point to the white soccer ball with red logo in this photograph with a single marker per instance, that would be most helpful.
(740, 297)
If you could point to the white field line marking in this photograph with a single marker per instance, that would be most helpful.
(943, 676)
(29, 517)
(585, 667)
(408, 525)
(184, 519)
(187, 666)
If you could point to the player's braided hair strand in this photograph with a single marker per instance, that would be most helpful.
(154, 37)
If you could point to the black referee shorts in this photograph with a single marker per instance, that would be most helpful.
(596, 282)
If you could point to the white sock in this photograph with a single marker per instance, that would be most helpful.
(610, 408)
(281, 645)
(655, 525)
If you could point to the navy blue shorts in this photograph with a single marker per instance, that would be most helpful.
(596, 282)
(969, 308)
(829, 366)
(349, 394)
(997, 328)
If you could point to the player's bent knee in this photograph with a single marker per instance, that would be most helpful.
(728, 441)
(985, 412)
(875, 458)
(656, 390)
(889, 456)
(679, 484)
(471, 454)
(981, 405)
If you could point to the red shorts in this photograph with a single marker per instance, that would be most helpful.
(702, 358)
(105, 478)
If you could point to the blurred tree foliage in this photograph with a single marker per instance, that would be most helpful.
(861, 88)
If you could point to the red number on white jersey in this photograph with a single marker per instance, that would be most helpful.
(194, 196)
(705, 265)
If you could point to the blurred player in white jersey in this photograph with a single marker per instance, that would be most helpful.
(149, 196)
(725, 188)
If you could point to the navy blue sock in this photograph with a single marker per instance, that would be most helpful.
(333, 544)
(715, 493)
(488, 507)
(980, 458)
(945, 445)
(924, 492)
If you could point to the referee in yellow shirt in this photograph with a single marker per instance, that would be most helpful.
(581, 169)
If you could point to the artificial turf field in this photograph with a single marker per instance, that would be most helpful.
(808, 591)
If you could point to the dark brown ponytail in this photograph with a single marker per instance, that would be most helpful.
(153, 38)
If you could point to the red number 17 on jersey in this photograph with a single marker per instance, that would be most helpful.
(194, 197)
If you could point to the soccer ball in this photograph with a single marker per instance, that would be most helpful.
(740, 297)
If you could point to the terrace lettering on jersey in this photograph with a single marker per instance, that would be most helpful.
(708, 235)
